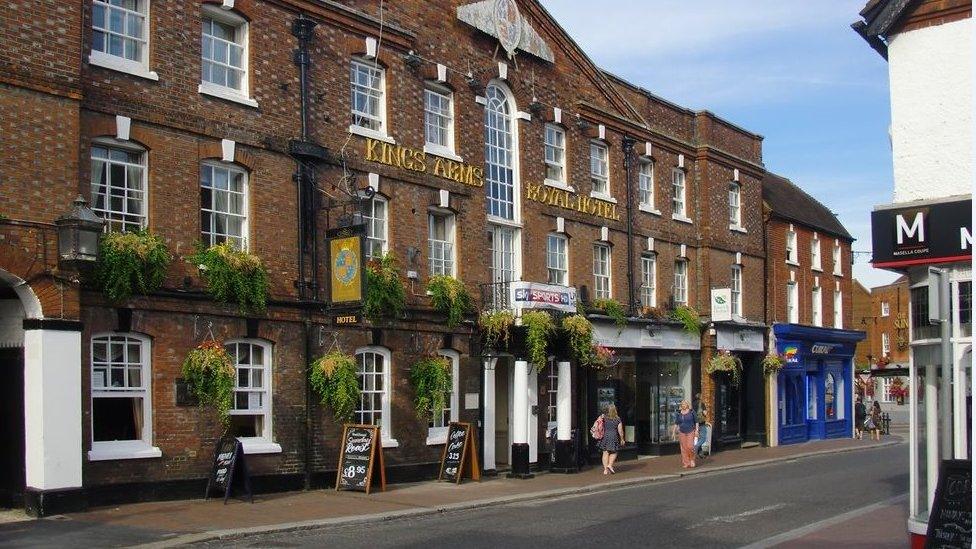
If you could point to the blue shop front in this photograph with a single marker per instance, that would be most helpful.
(815, 387)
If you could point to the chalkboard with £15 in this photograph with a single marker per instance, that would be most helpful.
(229, 466)
(951, 519)
(460, 456)
(360, 456)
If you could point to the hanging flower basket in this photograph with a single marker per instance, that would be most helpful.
(772, 364)
(725, 361)
(131, 262)
(431, 380)
(333, 376)
(580, 332)
(496, 328)
(385, 295)
(233, 275)
(449, 296)
(612, 308)
(539, 328)
(209, 371)
(604, 357)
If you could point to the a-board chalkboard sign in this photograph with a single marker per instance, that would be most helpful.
(360, 456)
(460, 456)
(951, 519)
(229, 467)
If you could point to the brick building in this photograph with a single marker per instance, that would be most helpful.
(465, 139)
(809, 307)
(882, 313)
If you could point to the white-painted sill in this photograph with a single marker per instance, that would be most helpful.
(372, 134)
(817, 268)
(221, 92)
(648, 209)
(107, 61)
(603, 196)
(390, 443)
(682, 219)
(738, 229)
(254, 446)
(838, 274)
(793, 263)
(123, 449)
(558, 185)
(503, 221)
(442, 151)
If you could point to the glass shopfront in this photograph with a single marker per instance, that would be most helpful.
(664, 379)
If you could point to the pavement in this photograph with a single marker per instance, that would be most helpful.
(173, 523)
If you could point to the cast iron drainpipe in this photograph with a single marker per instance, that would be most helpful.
(628, 146)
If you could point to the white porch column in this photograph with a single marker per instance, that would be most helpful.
(520, 414)
(564, 402)
(489, 407)
(772, 397)
(52, 407)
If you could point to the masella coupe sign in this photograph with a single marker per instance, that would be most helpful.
(921, 233)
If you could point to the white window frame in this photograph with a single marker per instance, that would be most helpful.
(381, 132)
(736, 288)
(645, 187)
(679, 196)
(446, 264)
(503, 201)
(500, 272)
(815, 261)
(107, 60)
(385, 396)
(838, 260)
(554, 145)
(209, 234)
(648, 288)
(600, 169)
(735, 206)
(602, 271)
(816, 306)
(552, 390)
(242, 40)
(124, 449)
(792, 253)
(885, 344)
(437, 434)
(792, 303)
(120, 219)
(557, 259)
(436, 118)
(838, 310)
(374, 222)
(679, 287)
(885, 309)
(263, 443)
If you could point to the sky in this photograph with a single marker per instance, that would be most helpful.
(791, 71)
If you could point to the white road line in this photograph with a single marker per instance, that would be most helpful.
(739, 517)
(816, 526)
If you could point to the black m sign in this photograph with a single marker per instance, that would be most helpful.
(919, 234)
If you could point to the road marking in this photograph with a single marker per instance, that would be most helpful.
(739, 517)
(817, 526)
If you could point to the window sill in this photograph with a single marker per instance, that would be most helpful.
(682, 218)
(603, 196)
(558, 185)
(648, 209)
(793, 263)
(838, 274)
(115, 63)
(818, 269)
(372, 134)
(738, 229)
(443, 152)
(502, 221)
(390, 443)
(227, 94)
(123, 449)
(254, 445)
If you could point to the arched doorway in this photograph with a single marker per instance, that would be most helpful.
(12, 435)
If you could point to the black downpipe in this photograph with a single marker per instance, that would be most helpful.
(628, 146)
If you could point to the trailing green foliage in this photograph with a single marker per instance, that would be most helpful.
(613, 309)
(385, 295)
(449, 296)
(725, 361)
(130, 262)
(688, 316)
(333, 376)
(495, 327)
(580, 332)
(540, 327)
(772, 363)
(431, 380)
(233, 275)
(209, 371)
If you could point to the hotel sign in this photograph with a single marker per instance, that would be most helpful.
(417, 160)
(571, 201)
(922, 234)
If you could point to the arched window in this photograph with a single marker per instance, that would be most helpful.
(118, 184)
(223, 204)
(373, 372)
(500, 155)
(121, 397)
(437, 428)
(250, 414)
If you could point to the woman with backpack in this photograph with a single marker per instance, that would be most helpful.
(608, 430)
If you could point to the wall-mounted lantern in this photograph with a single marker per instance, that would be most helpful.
(78, 234)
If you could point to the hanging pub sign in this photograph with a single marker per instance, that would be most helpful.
(924, 233)
(229, 467)
(360, 457)
(535, 295)
(951, 519)
(460, 458)
(346, 264)
(416, 160)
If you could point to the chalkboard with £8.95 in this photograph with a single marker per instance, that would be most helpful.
(951, 519)
(229, 467)
(460, 456)
(360, 456)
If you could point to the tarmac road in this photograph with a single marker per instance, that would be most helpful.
(725, 509)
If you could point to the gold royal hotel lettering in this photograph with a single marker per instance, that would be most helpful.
(572, 201)
(416, 160)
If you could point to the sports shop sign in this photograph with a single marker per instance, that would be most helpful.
(922, 234)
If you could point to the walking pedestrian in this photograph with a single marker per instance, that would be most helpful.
(876, 421)
(685, 428)
(860, 414)
(613, 436)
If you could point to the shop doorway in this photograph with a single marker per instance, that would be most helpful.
(728, 403)
(503, 414)
(13, 472)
